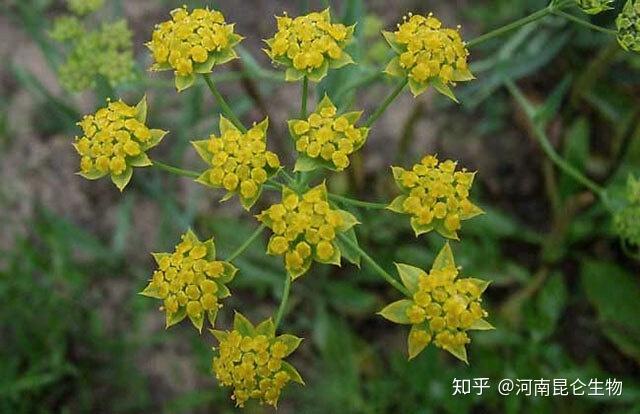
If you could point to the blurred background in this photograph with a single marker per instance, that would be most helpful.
(76, 338)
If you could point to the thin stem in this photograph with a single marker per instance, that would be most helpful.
(357, 203)
(584, 23)
(511, 26)
(176, 170)
(305, 95)
(283, 300)
(374, 117)
(246, 244)
(226, 109)
(288, 177)
(548, 149)
(383, 273)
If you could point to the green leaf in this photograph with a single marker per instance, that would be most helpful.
(292, 342)
(348, 221)
(141, 160)
(417, 88)
(304, 269)
(212, 315)
(480, 283)
(390, 37)
(397, 311)
(439, 226)
(123, 179)
(226, 125)
(349, 253)
(334, 259)
(176, 317)
(197, 321)
(229, 272)
(481, 325)
(211, 249)
(474, 211)
(156, 137)
(317, 74)
(615, 294)
(206, 66)
(266, 328)
(151, 292)
(293, 373)
(459, 352)
(184, 82)
(242, 325)
(141, 110)
(463, 75)
(414, 347)
(92, 175)
(223, 291)
(158, 256)
(353, 117)
(443, 89)
(344, 60)
(394, 69)
(247, 203)
(397, 204)
(225, 56)
(293, 75)
(219, 335)
(204, 179)
(409, 276)
(305, 163)
(202, 148)
(418, 228)
(444, 259)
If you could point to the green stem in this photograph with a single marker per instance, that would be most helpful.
(374, 117)
(548, 149)
(511, 26)
(283, 300)
(357, 203)
(176, 170)
(305, 95)
(226, 109)
(584, 23)
(247, 243)
(383, 273)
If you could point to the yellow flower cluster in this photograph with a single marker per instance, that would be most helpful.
(115, 140)
(190, 281)
(628, 25)
(428, 54)
(442, 308)
(250, 359)
(305, 229)
(436, 196)
(327, 138)
(240, 162)
(309, 45)
(192, 42)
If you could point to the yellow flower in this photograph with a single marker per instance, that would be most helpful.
(435, 196)
(192, 42)
(326, 139)
(305, 228)
(190, 281)
(115, 140)
(251, 361)
(442, 307)
(240, 162)
(428, 54)
(309, 45)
